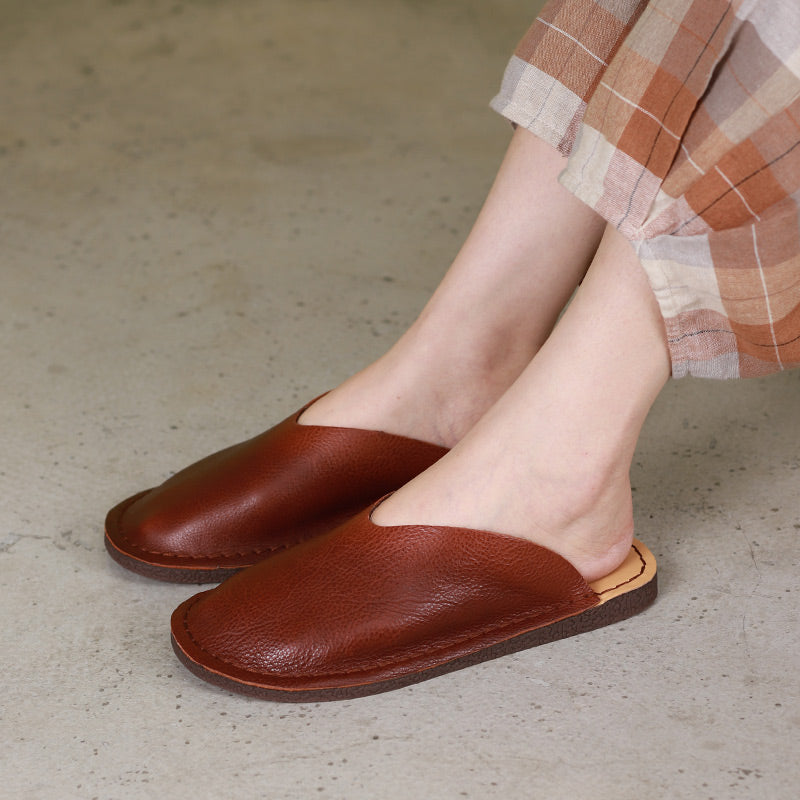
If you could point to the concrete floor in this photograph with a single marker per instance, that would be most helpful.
(213, 210)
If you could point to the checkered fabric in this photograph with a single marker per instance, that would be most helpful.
(681, 120)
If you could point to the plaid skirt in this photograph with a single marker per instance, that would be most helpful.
(681, 120)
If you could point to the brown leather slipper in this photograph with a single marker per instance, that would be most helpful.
(247, 502)
(368, 608)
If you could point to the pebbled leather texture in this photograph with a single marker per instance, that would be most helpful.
(244, 503)
(368, 604)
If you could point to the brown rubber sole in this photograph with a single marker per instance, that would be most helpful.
(622, 596)
(169, 574)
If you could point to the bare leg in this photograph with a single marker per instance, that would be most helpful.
(550, 461)
(526, 253)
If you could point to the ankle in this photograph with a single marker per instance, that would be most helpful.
(589, 524)
(448, 343)
(423, 387)
(457, 374)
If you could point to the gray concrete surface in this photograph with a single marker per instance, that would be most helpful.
(212, 211)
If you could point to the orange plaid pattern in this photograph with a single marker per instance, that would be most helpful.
(681, 120)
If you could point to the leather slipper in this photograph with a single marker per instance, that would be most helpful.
(369, 608)
(247, 502)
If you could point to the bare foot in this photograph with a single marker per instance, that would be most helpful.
(494, 481)
(550, 460)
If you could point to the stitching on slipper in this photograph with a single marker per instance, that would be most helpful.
(420, 650)
(210, 555)
(136, 548)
